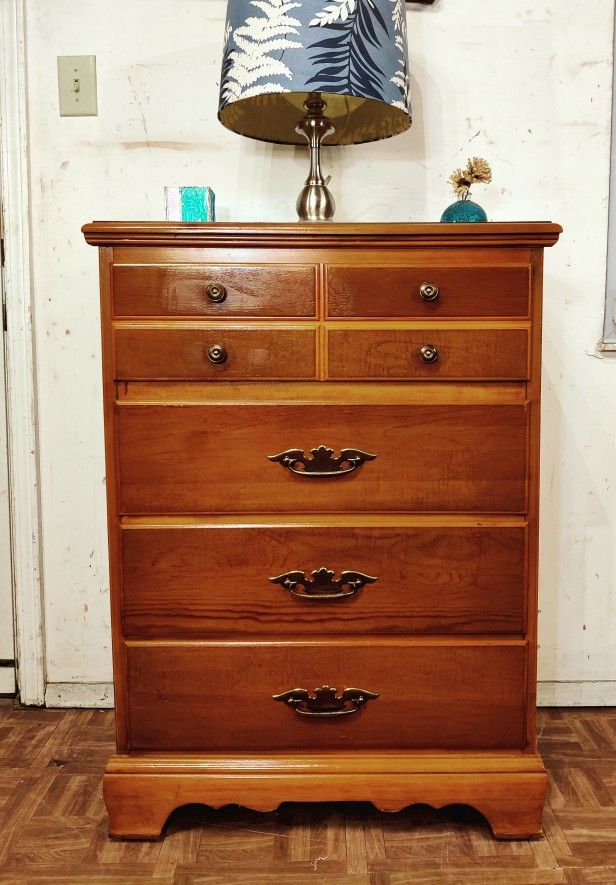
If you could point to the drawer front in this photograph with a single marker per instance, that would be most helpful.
(190, 581)
(217, 458)
(454, 291)
(180, 352)
(219, 696)
(275, 290)
(452, 354)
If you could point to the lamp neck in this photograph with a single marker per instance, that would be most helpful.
(315, 127)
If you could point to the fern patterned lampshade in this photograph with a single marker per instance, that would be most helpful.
(353, 52)
(281, 55)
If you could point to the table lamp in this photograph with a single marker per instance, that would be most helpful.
(315, 70)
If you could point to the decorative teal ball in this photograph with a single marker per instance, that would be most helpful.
(463, 212)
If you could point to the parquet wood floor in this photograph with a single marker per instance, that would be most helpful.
(53, 824)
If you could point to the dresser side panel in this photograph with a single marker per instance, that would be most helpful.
(111, 481)
(534, 450)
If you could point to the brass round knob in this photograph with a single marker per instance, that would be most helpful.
(217, 354)
(429, 291)
(216, 292)
(429, 353)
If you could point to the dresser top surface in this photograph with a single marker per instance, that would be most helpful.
(293, 235)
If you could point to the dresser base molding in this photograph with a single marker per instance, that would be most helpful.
(141, 791)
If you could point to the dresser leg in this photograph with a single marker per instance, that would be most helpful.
(134, 810)
(515, 814)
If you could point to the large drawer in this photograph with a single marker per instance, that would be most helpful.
(224, 458)
(472, 353)
(215, 290)
(194, 578)
(448, 290)
(432, 694)
(179, 351)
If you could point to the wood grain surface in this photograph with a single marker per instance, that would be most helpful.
(446, 393)
(265, 290)
(179, 351)
(293, 236)
(210, 459)
(384, 290)
(196, 579)
(393, 354)
(433, 694)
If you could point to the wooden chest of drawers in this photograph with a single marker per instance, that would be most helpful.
(323, 452)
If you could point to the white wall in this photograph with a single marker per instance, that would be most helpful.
(527, 85)
(609, 331)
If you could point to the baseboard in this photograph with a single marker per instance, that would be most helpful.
(577, 694)
(79, 694)
(7, 680)
(549, 694)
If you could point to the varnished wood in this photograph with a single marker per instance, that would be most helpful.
(456, 460)
(177, 351)
(195, 580)
(325, 254)
(174, 351)
(388, 762)
(394, 291)
(293, 236)
(334, 393)
(432, 694)
(264, 290)
(483, 448)
(53, 823)
(133, 816)
(395, 353)
(534, 470)
(113, 528)
(307, 520)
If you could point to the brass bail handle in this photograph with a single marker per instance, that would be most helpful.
(325, 701)
(322, 462)
(323, 586)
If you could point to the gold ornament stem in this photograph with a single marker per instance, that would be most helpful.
(315, 201)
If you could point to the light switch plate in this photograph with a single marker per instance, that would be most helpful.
(77, 85)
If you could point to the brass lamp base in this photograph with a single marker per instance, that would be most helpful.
(315, 201)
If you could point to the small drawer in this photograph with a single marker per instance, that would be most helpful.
(431, 695)
(329, 458)
(193, 579)
(358, 291)
(175, 351)
(446, 353)
(269, 290)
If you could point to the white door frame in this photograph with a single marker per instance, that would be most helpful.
(20, 364)
(7, 620)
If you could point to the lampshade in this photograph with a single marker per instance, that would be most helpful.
(278, 52)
